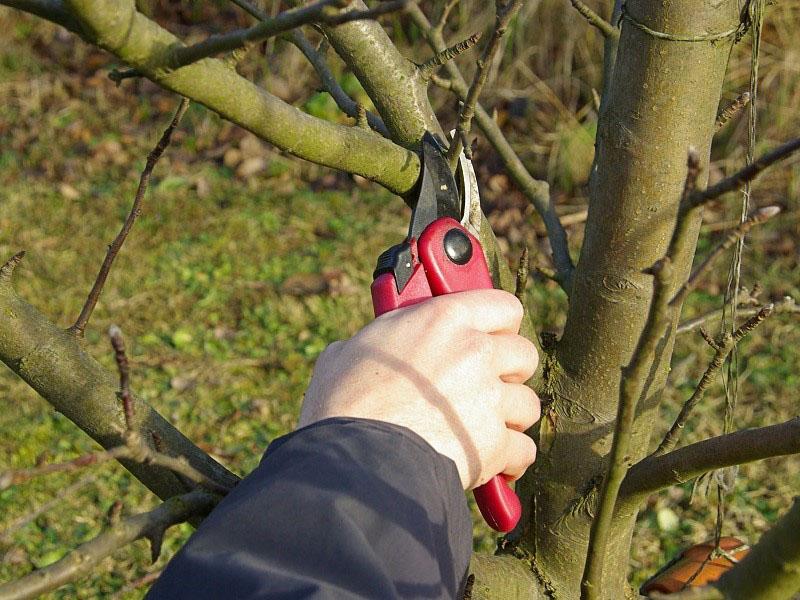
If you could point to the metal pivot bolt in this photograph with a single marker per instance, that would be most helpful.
(457, 246)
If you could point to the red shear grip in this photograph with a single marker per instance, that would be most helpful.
(496, 500)
(435, 274)
(498, 504)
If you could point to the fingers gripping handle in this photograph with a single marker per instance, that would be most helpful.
(448, 259)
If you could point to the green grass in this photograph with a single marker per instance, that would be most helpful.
(214, 291)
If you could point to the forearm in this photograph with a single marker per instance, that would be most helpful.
(345, 508)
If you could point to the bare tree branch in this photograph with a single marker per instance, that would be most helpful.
(632, 385)
(746, 174)
(347, 105)
(537, 192)
(785, 306)
(684, 464)
(441, 19)
(522, 276)
(504, 12)
(758, 217)
(317, 60)
(321, 11)
(606, 28)
(7, 270)
(427, 68)
(51, 10)
(723, 348)
(391, 81)
(121, 358)
(144, 45)
(134, 450)
(150, 525)
(113, 249)
(732, 109)
(55, 365)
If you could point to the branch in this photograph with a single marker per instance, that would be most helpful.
(121, 358)
(55, 365)
(596, 20)
(347, 105)
(427, 68)
(785, 306)
(317, 60)
(632, 385)
(746, 174)
(504, 14)
(758, 217)
(537, 191)
(723, 348)
(684, 464)
(113, 249)
(134, 450)
(771, 570)
(441, 20)
(390, 80)
(150, 525)
(730, 111)
(144, 45)
(321, 11)
(522, 276)
(50, 10)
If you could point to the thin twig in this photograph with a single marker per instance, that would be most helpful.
(441, 21)
(681, 235)
(118, 75)
(345, 103)
(121, 358)
(785, 306)
(322, 11)
(7, 270)
(427, 68)
(140, 582)
(134, 449)
(606, 28)
(64, 494)
(537, 191)
(113, 249)
(631, 388)
(150, 525)
(758, 217)
(522, 276)
(503, 15)
(732, 109)
(684, 464)
(723, 347)
(748, 173)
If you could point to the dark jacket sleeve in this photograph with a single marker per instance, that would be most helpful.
(344, 508)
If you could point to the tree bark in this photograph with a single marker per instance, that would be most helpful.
(665, 98)
(53, 363)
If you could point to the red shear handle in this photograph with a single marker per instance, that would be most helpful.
(449, 259)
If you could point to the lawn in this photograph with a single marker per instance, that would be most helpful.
(243, 266)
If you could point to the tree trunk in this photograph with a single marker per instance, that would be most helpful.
(661, 99)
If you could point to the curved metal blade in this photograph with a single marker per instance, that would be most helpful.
(438, 192)
(470, 195)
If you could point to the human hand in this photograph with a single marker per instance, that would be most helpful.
(451, 369)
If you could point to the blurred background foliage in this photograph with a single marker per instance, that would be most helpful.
(245, 263)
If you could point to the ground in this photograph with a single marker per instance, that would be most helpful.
(246, 263)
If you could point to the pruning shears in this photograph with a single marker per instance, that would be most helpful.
(442, 255)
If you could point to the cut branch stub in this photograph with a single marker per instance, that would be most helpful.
(7, 270)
